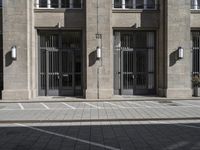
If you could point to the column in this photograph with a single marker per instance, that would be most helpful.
(134, 4)
(123, 4)
(195, 4)
(81, 3)
(59, 4)
(48, 3)
(145, 4)
(156, 4)
(37, 4)
(71, 4)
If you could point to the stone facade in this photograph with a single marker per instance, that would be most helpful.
(172, 23)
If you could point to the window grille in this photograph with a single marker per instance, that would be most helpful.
(76, 4)
(135, 4)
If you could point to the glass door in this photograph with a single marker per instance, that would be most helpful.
(60, 69)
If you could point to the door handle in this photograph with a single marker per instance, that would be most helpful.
(65, 75)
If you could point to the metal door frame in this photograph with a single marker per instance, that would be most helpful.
(45, 92)
(118, 73)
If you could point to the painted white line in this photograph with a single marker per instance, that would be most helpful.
(188, 126)
(21, 106)
(68, 137)
(91, 105)
(114, 105)
(45, 106)
(68, 105)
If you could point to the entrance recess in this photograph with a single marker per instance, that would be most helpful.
(134, 63)
(60, 69)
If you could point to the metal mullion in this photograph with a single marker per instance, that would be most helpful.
(47, 73)
(60, 52)
(73, 72)
(122, 71)
(135, 71)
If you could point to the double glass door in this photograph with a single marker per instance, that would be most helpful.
(134, 62)
(60, 72)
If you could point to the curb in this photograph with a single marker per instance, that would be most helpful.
(93, 100)
(97, 120)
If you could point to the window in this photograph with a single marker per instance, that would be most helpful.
(195, 4)
(135, 4)
(59, 4)
(43, 3)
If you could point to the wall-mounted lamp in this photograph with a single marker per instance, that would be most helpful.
(180, 53)
(14, 52)
(98, 50)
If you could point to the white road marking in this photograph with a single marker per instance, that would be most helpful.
(68, 137)
(188, 126)
(114, 105)
(45, 106)
(68, 105)
(91, 105)
(21, 106)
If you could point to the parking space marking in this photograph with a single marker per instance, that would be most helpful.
(114, 105)
(68, 137)
(45, 106)
(91, 105)
(68, 105)
(21, 106)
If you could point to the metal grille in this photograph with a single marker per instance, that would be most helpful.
(135, 68)
(60, 63)
(196, 52)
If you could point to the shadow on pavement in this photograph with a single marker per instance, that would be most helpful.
(100, 137)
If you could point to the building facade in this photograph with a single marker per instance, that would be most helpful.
(99, 48)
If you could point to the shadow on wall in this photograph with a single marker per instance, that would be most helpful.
(8, 59)
(127, 137)
(92, 58)
(173, 58)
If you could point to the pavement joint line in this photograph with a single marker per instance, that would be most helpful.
(21, 106)
(114, 105)
(45, 106)
(91, 105)
(185, 103)
(68, 137)
(72, 107)
(140, 105)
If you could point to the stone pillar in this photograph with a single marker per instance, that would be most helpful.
(99, 86)
(16, 31)
(178, 77)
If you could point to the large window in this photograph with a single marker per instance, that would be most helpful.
(195, 4)
(59, 4)
(135, 4)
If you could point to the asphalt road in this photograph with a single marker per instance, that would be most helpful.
(151, 135)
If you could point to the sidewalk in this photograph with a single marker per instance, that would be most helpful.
(99, 111)
(81, 99)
